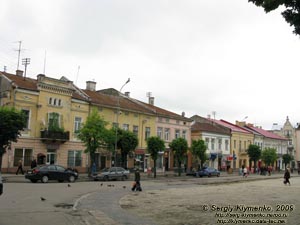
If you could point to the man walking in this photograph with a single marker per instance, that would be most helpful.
(20, 167)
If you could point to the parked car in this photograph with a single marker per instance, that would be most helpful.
(208, 171)
(51, 172)
(1, 185)
(113, 173)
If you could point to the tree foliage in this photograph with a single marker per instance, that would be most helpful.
(94, 134)
(179, 147)
(269, 156)
(12, 122)
(154, 146)
(127, 142)
(291, 13)
(254, 153)
(287, 158)
(198, 149)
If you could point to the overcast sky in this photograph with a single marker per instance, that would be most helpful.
(196, 56)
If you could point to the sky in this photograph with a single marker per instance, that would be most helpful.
(207, 57)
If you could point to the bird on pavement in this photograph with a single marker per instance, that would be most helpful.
(43, 199)
(124, 187)
(69, 185)
(101, 184)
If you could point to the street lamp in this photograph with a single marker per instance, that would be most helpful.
(117, 121)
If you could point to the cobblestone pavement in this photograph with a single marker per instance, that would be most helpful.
(254, 202)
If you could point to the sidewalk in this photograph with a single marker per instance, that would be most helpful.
(83, 177)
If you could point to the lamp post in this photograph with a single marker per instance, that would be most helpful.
(117, 121)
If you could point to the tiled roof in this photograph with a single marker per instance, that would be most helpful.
(233, 127)
(210, 127)
(166, 113)
(114, 101)
(266, 133)
(22, 82)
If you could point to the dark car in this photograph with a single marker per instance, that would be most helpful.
(113, 173)
(208, 172)
(1, 185)
(51, 172)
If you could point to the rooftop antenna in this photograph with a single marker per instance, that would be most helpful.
(45, 62)
(78, 68)
(149, 94)
(19, 53)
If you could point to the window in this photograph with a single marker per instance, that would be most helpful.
(135, 130)
(226, 145)
(54, 102)
(24, 154)
(26, 113)
(159, 119)
(234, 144)
(184, 134)
(212, 144)
(167, 120)
(159, 132)
(147, 133)
(177, 122)
(74, 158)
(177, 133)
(219, 144)
(115, 125)
(53, 121)
(167, 134)
(125, 126)
(207, 142)
(240, 145)
(77, 124)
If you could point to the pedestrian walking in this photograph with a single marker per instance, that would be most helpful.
(245, 172)
(137, 181)
(33, 163)
(20, 167)
(287, 177)
(269, 170)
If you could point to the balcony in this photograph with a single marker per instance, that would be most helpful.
(48, 136)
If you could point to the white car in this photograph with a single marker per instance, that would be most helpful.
(113, 173)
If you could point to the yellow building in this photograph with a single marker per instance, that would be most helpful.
(56, 109)
(240, 141)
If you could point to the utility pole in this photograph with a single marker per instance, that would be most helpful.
(25, 62)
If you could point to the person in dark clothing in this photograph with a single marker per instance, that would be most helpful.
(33, 163)
(20, 167)
(137, 179)
(287, 177)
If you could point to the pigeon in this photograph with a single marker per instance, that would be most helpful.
(108, 185)
(69, 185)
(43, 199)
(101, 184)
(124, 187)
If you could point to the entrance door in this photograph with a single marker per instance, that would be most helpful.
(103, 162)
(51, 157)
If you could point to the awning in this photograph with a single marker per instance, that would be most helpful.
(139, 151)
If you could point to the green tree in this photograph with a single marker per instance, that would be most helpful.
(127, 142)
(287, 158)
(198, 149)
(269, 155)
(155, 145)
(95, 135)
(179, 147)
(291, 12)
(12, 122)
(254, 153)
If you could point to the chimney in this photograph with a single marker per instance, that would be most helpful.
(91, 85)
(183, 114)
(151, 100)
(127, 94)
(19, 73)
